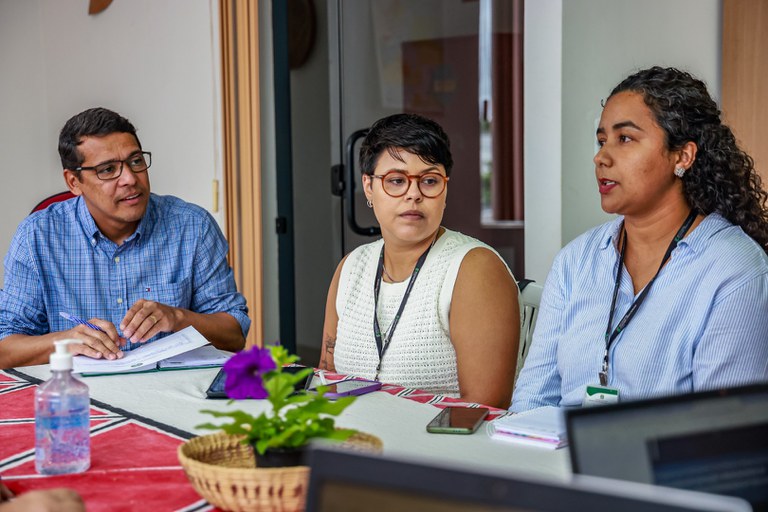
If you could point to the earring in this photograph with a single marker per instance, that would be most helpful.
(369, 203)
(680, 172)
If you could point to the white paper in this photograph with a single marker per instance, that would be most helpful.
(145, 357)
(544, 422)
(527, 441)
(207, 355)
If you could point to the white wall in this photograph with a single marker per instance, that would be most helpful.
(603, 41)
(155, 62)
(541, 136)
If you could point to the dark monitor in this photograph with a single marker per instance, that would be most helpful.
(714, 442)
(345, 481)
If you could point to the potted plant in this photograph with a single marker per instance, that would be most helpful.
(279, 435)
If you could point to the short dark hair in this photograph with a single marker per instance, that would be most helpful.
(413, 133)
(92, 122)
(722, 178)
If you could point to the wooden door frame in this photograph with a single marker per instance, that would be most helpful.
(744, 74)
(242, 153)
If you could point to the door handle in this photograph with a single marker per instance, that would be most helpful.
(349, 187)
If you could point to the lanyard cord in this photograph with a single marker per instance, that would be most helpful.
(382, 344)
(611, 336)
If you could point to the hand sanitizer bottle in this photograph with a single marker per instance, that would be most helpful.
(62, 419)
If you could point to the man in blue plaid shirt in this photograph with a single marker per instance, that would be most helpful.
(136, 265)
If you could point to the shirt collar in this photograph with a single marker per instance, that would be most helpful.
(711, 225)
(611, 233)
(89, 226)
(696, 239)
(148, 221)
(85, 219)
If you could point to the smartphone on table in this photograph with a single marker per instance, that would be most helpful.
(349, 388)
(216, 389)
(458, 420)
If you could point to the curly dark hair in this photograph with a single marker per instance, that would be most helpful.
(722, 178)
(414, 133)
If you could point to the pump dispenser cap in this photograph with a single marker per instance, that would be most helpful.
(61, 359)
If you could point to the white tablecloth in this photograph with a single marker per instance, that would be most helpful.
(176, 398)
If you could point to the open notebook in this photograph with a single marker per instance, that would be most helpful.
(184, 349)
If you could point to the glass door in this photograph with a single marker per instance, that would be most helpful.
(458, 62)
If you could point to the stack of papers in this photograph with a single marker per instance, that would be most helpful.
(544, 427)
(184, 349)
(206, 356)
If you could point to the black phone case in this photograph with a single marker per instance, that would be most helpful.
(216, 389)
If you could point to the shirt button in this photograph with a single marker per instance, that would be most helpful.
(119, 300)
(117, 259)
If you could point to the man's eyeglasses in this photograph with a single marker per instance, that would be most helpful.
(137, 162)
(397, 183)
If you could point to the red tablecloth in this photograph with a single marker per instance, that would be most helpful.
(423, 397)
(133, 459)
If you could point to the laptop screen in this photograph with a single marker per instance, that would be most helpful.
(714, 442)
(345, 482)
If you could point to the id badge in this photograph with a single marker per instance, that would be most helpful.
(600, 395)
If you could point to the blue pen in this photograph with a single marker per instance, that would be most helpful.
(74, 319)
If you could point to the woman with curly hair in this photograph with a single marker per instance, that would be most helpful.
(672, 296)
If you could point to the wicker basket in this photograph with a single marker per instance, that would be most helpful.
(222, 470)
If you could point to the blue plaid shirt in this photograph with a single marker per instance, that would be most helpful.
(60, 261)
(703, 325)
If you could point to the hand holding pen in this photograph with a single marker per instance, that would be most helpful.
(98, 341)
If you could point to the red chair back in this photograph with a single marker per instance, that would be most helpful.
(55, 198)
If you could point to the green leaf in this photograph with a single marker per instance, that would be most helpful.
(279, 387)
(208, 426)
(341, 434)
(281, 356)
(300, 398)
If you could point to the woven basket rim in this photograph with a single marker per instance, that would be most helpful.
(249, 487)
(201, 440)
(370, 439)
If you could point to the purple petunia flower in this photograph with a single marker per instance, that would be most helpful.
(244, 373)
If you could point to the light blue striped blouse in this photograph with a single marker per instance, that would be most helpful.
(703, 325)
(60, 261)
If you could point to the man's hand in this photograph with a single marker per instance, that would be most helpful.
(51, 500)
(146, 318)
(22, 349)
(96, 344)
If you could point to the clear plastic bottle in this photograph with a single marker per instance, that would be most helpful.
(62, 419)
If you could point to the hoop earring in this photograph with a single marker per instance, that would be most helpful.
(369, 203)
(680, 172)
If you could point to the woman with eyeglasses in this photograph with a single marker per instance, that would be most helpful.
(423, 307)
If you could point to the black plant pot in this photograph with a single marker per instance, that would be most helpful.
(280, 457)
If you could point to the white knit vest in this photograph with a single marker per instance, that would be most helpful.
(420, 354)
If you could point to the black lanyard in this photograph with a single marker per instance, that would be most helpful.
(611, 336)
(383, 344)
